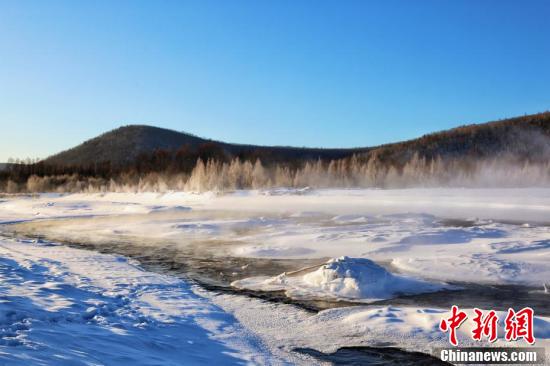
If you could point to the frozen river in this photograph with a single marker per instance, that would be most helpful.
(276, 267)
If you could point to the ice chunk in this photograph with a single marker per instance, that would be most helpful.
(346, 278)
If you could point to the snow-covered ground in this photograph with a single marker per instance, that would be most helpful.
(395, 241)
(65, 306)
(490, 236)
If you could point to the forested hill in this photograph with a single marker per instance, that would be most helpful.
(125, 144)
(519, 138)
(526, 137)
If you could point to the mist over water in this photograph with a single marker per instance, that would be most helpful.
(286, 233)
(348, 173)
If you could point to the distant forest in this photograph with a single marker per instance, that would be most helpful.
(507, 153)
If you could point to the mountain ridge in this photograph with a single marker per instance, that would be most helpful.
(527, 136)
(136, 139)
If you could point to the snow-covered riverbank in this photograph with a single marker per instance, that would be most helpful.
(106, 306)
(65, 306)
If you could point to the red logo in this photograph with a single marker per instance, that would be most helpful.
(517, 325)
(520, 325)
(453, 323)
(485, 325)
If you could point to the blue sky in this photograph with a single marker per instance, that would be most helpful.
(298, 72)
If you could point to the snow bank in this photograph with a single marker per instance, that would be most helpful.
(413, 328)
(361, 278)
(65, 306)
(345, 278)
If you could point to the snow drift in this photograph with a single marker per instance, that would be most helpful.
(356, 279)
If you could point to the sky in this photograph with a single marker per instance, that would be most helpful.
(279, 72)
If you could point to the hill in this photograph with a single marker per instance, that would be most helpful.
(520, 138)
(509, 153)
(125, 144)
(526, 137)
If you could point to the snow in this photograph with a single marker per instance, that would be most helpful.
(416, 329)
(342, 278)
(497, 237)
(60, 305)
(500, 236)
(64, 306)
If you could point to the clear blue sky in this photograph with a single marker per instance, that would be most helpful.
(296, 72)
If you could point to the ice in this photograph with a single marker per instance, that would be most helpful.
(484, 239)
(343, 278)
(361, 278)
(386, 242)
(168, 209)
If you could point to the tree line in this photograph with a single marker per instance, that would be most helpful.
(210, 168)
(512, 153)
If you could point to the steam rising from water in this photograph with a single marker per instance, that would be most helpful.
(347, 173)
